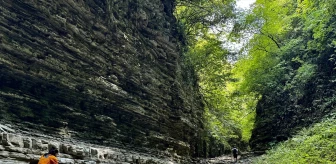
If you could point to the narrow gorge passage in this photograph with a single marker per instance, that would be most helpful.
(168, 81)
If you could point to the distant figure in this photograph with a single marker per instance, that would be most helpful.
(50, 157)
(235, 153)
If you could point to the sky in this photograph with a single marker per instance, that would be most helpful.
(245, 4)
(236, 46)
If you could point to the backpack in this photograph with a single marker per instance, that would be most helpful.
(235, 151)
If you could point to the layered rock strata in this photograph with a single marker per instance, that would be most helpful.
(104, 72)
(20, 148)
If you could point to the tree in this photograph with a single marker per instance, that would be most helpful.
(197, 17)
(289, 63)
(229, 115)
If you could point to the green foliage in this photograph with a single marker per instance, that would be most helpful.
(313, 145)
(197, 17)
(298, 83)
(212, 68)
(229, 115)
(261, 70)
(290, 62)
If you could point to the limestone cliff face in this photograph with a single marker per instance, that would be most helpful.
(100, 71)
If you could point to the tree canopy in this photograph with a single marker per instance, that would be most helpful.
(289, 63)
(285, 72)
(229, 115)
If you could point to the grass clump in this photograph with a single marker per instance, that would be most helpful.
(313, 145)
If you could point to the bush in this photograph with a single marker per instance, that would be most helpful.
(312, 145)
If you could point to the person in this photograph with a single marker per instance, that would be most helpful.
(235, 153)
(50, 157)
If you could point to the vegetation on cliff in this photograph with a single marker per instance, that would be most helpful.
(291, 64)
(315, 144)
(229, 115)
(286, 71)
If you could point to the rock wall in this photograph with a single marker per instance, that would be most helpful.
(21, 148)
(104, 72)
(281, 114)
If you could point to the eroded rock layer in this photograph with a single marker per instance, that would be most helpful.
(106, 72)
(22, 148)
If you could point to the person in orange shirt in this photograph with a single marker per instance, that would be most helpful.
(50, 157)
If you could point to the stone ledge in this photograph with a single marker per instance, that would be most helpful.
(17, 147)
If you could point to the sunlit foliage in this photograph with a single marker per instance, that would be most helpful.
(196, 17)
(289, 62)
(229, 115)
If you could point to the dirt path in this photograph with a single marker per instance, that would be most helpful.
(227, 159)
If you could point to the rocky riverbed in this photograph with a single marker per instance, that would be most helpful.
(244, 158)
